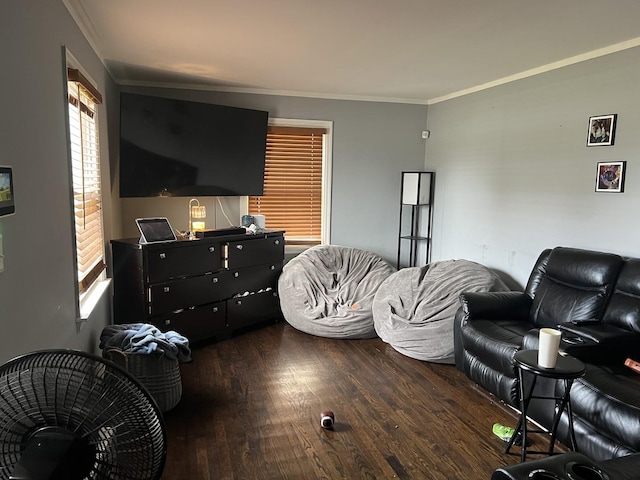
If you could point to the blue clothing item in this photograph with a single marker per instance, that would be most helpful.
(145, 338)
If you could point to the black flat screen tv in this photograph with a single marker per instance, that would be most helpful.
(180, 148)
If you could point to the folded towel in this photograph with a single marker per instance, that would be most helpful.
(145, 338)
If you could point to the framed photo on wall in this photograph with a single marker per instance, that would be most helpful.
(610, 177)
(601, 130)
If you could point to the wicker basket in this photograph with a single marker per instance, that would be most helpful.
(158, 373)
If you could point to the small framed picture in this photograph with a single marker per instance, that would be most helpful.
(601, 131)
(610, 177)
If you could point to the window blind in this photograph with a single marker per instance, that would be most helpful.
(292, 199)
(85, 167)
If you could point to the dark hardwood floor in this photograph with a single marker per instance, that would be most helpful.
(251, 410)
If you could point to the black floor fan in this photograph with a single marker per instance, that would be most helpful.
(69, 415)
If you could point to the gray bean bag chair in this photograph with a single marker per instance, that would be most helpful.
(328, 291)
(413, 310)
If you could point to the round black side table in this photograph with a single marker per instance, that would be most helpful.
(567, 369)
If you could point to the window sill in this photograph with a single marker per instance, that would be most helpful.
(291, 251)
(295, 249)
(90, 299)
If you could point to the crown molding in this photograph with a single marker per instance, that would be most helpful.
(80, 16)
(283, 93)
(601, 52)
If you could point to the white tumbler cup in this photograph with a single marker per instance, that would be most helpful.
(259, 221)
(549, 343)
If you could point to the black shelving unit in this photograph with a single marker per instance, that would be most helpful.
(416, 217)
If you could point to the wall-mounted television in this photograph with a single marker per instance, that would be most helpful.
(7, 196)
(181, 148)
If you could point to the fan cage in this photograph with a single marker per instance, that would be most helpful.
(93, 399)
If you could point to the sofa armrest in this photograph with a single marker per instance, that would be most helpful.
(600, 333)
(495, 305)
(487, 306)
(599, 342)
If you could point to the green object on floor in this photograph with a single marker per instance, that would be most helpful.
(503, 432)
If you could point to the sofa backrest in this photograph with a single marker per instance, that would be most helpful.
(623, 310)
(570, 284)
(537, 273)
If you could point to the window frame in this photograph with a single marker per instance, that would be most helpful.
(86, 297)
(327, 150)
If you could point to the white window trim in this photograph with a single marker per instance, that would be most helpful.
(327, 162)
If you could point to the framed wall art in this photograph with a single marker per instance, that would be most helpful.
(610, 177)
(601, 131)
(7, 195)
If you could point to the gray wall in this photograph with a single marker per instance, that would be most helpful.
(372, 144)
(514, 175)
(37, 294)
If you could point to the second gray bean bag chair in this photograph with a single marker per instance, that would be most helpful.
(413, 310)
(328, 291)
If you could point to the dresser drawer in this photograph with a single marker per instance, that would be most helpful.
(188, 260)
(253, 279)
(189, 292)
(245, 311)
(196, 323)
(254, 251)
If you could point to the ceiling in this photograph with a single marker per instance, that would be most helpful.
(412, 51)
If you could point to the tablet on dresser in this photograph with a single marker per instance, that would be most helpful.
(155, 230)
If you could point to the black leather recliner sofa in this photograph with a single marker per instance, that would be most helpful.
(594, 298)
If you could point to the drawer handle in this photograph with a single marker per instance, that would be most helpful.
(214, 279)
(214, 309)
(167, 322)
(277, 242)
(165, 289)
(239, 247)
(272, 267)
(236, 274)
(212, 249)
(163, 255)
(239, 302)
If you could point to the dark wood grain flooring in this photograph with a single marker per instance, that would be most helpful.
(251, 410)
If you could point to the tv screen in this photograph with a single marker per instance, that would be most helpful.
(7, 201)
(179, 148)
